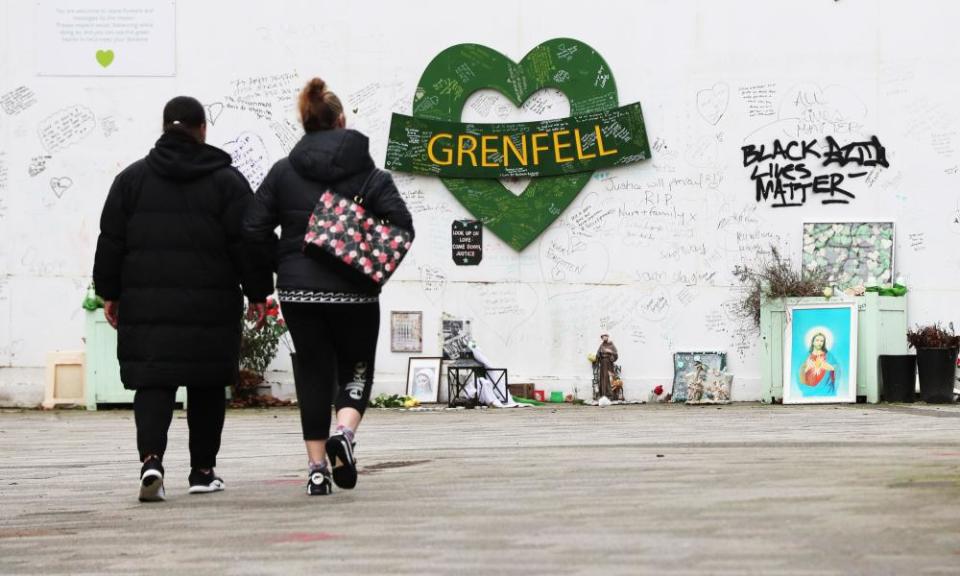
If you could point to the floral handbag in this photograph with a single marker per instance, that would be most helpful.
(343, 229)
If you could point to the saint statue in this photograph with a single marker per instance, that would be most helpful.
(606, 373)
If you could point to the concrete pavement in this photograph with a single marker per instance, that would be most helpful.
(742, 489)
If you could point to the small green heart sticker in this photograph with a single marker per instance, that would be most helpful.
(565, 64)
(105, 57)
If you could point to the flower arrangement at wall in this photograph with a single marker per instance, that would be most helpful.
(258, 348)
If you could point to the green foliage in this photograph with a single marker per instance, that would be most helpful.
(393, 401)
(91, 301)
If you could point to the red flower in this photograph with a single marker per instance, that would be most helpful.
(273, 312)
(658, 390)
(382, 258)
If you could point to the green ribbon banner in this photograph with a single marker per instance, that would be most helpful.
(581, 143)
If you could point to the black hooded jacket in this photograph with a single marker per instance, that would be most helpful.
(170, 252)
(338, 160)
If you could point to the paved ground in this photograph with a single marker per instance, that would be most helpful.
(623, 490)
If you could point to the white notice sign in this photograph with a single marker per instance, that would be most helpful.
(106, 37)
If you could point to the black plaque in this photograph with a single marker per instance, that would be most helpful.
(467, 238)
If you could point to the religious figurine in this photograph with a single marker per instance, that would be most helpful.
(695, 379)
(606, 373)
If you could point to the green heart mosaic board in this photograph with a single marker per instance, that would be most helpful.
(565, 64)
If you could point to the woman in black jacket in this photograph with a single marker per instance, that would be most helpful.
(169, 264)
(332, 311)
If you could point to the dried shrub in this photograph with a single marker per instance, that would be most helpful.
(774, 277)
(933, 336)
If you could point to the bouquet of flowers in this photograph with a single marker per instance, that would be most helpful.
(258, 348)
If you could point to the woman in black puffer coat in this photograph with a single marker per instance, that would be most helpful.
(170, 263)
(332, 311)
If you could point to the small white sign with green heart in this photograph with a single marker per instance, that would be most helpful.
(106, 37)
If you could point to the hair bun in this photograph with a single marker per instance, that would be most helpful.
(317, 86)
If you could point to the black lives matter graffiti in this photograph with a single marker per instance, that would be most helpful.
(789, 174)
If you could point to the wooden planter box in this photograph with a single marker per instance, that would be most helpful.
(103, 385)
(882, 329)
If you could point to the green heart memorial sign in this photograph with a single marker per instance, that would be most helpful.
(558, 155)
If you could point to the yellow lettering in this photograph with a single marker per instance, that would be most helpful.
(600, 143)
(557, 146)
(448, 154)
(580, 154)
(508, 145)
(462, 151)
(485, 151)
(538, 148)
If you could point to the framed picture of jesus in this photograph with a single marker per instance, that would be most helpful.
(820, 353)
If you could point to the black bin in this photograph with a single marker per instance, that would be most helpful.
(937, 368)
(898, 377)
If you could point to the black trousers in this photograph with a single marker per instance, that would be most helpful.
(336, 347)
(153, 412)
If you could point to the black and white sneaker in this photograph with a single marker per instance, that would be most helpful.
(318, 483)
(340, 455)
(151, 481)
(205, 482)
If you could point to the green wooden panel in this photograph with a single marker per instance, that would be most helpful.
(766, 380)
(565, 64)
(779, 320)
(103, 384)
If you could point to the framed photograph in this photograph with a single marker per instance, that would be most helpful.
(456, 336)
(406, 331)
(850, 252)
(820, 353)
(691, 369)
(423, 378)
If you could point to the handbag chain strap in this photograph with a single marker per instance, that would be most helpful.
(361, 195)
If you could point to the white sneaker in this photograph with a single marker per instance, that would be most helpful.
(151, 482)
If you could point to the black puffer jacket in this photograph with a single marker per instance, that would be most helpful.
(170, 251)
(335, 159)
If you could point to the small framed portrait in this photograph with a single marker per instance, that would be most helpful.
(820, 353)
(423, 378)
(406, 331)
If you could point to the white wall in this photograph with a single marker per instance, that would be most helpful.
(657, 282)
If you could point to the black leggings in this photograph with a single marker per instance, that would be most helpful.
(153, 411)
(336, 347)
